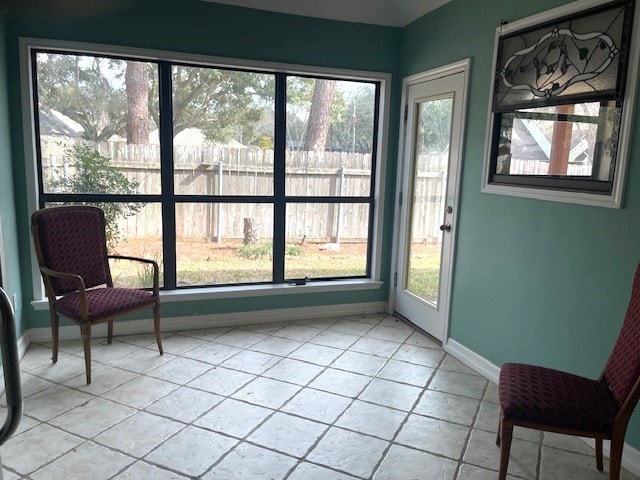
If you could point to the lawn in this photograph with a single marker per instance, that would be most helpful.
(202, 262)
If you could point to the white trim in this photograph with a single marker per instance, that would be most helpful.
(464, 67)
(472, 360)
(174, 324)
(26, 44)
(194, 294)
(490, 371)
(616, 199)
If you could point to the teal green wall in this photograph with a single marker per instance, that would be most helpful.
(535, 281)
(11, 266)
(194, 26)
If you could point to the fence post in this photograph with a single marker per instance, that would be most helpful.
(219, 207)
(339, 207)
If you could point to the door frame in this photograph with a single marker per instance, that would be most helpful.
(464, 67)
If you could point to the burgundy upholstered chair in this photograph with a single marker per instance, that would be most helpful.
(71, 247)
(555, 401)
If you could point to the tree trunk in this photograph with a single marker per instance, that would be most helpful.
(137, 85)
(250, 232)
(319, 115)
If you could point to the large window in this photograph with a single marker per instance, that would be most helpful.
(558, 104)
(225, 176)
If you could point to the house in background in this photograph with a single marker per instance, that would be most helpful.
(533, 281)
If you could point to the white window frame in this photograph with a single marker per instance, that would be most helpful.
(26, 45)
(616, 198)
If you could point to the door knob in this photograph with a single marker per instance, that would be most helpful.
(445, 228)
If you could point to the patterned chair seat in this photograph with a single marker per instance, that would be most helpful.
(105, 302)
(530, 393)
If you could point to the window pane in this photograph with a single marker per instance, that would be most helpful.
(223, 131)
(224, 243)
(566, 141)
(326, 240)
(329, 137)
(135, 230)
(97, 124)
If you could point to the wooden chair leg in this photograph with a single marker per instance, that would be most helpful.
(498, 435)
(85, 332)
(506, 433)
(109, 331)
(615, 456)
(599, 463)
(55, 321)
(156, 327)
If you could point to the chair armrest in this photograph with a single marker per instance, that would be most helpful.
(67, 276)
(153, 263)
(82, 291)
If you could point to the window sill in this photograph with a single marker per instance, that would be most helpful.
(195, 294)
(581, 198)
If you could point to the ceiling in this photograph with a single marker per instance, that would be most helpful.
(394, 13)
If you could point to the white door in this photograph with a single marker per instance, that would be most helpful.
(428, 204)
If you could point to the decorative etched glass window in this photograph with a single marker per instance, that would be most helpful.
(558, 100)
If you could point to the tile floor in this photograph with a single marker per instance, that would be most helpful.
(338, 398)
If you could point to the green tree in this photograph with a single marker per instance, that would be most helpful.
(92, 173)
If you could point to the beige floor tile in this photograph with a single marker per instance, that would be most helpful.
(359, 363)
(267, 392)
(251, 462)
(349, 452)
(234, 418)
(103, 379)
(212, 353)
(50, 403)
(288, 434)
(371, 419)
(140, 392)
(458, 384)
(340, 382)
(184, 404)
(251, 362)
(32, 449)
(317, 405)
(391, 394)
(293, 371)
(142, 471)
(330, 338)
(179, 370)
(309, 471)
(90, 418)
(433, 436)
(192, 451)
(88, 461)
(339, 426)
(428, 357)
(221, 381)
(317, 354)
(139, 434)
(446, 406)
(406, 373)
(390, 333)
(482, 451)
(142, 360)
(301, 333)
(375, 346)
(239, 338)
(407, 463)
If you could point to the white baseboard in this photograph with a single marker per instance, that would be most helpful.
(192, 322)
(490, 371)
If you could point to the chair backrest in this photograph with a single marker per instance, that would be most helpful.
(72, 239)
(623, 367)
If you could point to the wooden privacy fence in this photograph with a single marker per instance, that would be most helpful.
(221, 170)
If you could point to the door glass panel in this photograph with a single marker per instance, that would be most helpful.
(428, 197)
